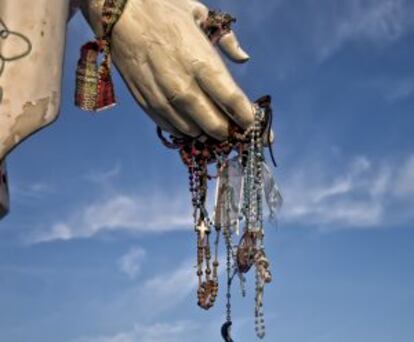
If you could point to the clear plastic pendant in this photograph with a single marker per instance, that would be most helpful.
(273, 196)
(235, 174)
(228, 196)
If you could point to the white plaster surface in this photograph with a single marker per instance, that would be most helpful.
(169, 65)
(31, 85)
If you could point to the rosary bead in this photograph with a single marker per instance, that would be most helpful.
(196, 156)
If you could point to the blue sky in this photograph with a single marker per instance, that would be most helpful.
(99, 246)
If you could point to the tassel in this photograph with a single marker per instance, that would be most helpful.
(106, 95)
(94, 87)
(87, 77)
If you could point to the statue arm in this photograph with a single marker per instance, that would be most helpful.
(30, 84)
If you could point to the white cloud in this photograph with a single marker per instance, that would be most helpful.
(131, 262)
(305, 32)
(103, 177)
(143, 214)
(162, 292)
(361, 196)
(168, 290)
(158, 332)
(399, 90)
(404, 185)
(392, 89)
(379, 22)
(327, 26)
(33, 191)
(176, 331)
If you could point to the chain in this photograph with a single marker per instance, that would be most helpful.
(249, 252)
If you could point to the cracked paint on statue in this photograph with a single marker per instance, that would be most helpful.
(31, 85)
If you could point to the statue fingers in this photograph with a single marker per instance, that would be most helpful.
(170, 118)
(183, 94)
(216, 81)
(194, 103)
(200, 12)
(230, 46)
(163, 123)
(217, 26)
(160, 120)
(180, 95)
(181, 125)
(154, 102)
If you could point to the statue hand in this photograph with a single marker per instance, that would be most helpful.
(172, 69)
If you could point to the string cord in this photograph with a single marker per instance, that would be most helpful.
(269, 133)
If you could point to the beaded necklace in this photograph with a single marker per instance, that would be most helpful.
(239, 201)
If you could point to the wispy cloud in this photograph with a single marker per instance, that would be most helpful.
(359, 196)
(379, 22)
(365, 195)
(162, 292)
(36, 190)
(102, 177)
(167, 291)
(175, 331)
(131, 262)
(170, 289)
(392, 89)
(180, 331)
(400, 90)
(141, 214)
(404, 182)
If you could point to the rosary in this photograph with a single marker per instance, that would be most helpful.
(243, 183)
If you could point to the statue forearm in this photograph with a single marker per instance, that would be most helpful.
(35, 31)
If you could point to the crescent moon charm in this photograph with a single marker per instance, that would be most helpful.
(225, 331)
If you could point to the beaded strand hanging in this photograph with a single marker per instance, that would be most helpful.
(244, 182)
